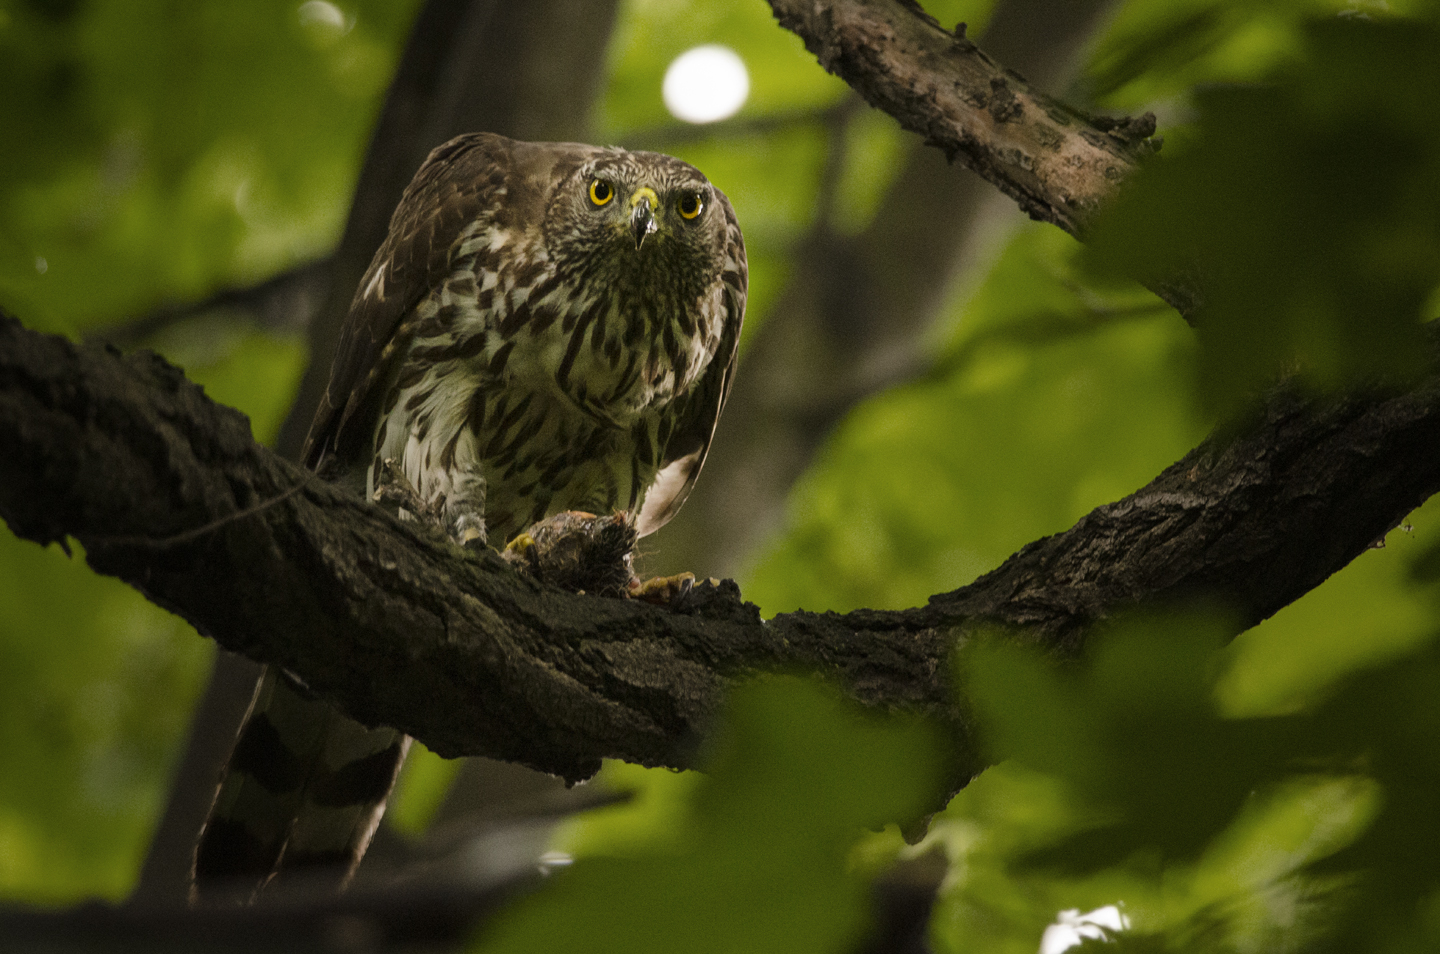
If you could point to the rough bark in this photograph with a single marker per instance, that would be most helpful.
(167, 491)
(1059, 165)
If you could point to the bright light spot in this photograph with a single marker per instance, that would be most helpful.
(243, 205)
(1071, 928)
(554, 859)
(706, 84)
(41, 265)
(322, 13)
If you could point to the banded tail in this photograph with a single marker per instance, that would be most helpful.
(302, 795)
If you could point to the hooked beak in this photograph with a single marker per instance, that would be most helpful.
(642, 213)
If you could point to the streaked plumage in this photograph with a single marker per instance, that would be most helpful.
(558, 319)
(520, 332)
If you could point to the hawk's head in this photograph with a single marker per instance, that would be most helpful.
(639, 221)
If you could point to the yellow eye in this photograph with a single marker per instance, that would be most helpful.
(690, 205)
(600, 192)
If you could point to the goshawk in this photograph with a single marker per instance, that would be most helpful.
(547, 327)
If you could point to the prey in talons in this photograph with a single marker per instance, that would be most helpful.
(585, 553)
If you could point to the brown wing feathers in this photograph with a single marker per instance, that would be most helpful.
(445, 194)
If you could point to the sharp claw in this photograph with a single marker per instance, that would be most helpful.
(462, 515)
(661, 589)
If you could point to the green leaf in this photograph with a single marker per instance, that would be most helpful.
(1307, 210)
(760, 863)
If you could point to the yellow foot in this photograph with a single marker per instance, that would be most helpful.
(661, 589)
(517, 548)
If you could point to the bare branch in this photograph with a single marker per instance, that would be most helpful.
(1058, 164)
(129, 458)
(284, 302)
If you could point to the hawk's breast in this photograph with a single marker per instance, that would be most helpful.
(554, 391)
(613, 348)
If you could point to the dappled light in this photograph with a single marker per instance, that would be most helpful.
(324, 14)
(1071, 928)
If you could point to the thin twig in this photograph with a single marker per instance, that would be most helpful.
(195, 533)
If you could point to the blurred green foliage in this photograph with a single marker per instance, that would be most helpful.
(152, 153)
(155, 151)
(1309, 208)
(95, 690)
(1127, 783)
(1046, 401)
(1273, 794)
(759, 858)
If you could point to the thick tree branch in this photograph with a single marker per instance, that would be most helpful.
(167, 491)
(1058, 164)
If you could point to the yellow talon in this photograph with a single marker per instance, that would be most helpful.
(661, 589)
(520, 544)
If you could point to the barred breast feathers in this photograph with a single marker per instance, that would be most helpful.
(542, 323)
